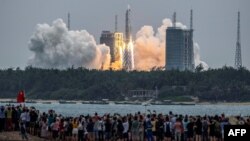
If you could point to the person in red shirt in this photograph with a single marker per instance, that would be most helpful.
(178, 129)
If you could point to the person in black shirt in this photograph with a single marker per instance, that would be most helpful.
(167, 129)
(108, 127)
(120, 129)
(15, 118)
(211, 127)
(160, 128)
(33, 120)
(114, 128)
(190, 130)
(198, 129)
(90, 129)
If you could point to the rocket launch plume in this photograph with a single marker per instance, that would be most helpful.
(150, 47)
(56, 47)
(149, 50)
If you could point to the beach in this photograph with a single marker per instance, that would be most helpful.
(15, 136)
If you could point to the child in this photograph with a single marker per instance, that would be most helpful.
(23, 131)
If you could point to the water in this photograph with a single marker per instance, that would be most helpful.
(78, 109)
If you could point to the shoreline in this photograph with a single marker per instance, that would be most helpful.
(41, 101)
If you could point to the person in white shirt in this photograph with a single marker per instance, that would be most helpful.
(23, 117)
(101, 129)
(27, 114)
(125, 128)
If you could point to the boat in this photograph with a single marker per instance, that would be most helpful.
(66, 102)
(30, 101)
(46, 102)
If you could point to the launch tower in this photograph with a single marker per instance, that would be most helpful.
(128, 53)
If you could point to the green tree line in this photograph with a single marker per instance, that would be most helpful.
(223, 84)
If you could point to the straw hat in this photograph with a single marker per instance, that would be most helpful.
(233, 121)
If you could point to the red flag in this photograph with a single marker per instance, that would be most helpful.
(20, 97)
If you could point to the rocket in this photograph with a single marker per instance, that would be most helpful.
(128, 53)
(127, 25)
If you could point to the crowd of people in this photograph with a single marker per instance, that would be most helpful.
(150, 126)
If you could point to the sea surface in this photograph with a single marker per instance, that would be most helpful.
(84, 109)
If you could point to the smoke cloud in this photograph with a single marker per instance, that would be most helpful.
(150, 47)
(56, 47)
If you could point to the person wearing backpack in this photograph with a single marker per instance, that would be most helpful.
(167, 129)
(149, 131)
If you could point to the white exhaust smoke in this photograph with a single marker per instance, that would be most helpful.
(197, 57)
(56, 47)
(150, 47)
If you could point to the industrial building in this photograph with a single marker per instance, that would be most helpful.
(142, 94)
(179, 47)
(107, 38)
